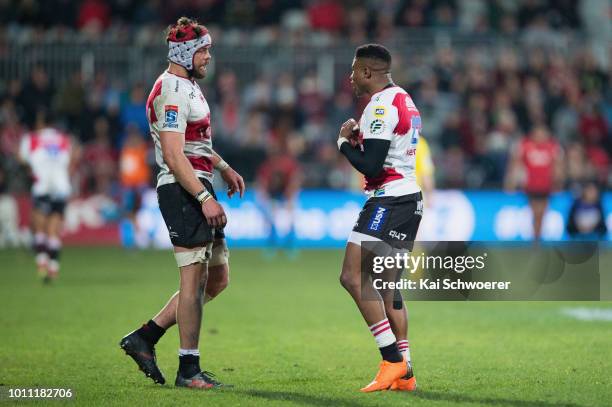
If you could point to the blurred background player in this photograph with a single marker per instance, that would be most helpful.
(424, 170)
(278, 183)
(383, 148)
(180, 124)
(536, 165)
(49, 154)
(134, 176)
(9, 216)
(586, 220)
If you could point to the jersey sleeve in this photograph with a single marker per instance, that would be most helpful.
(379, 121)
(172, 108)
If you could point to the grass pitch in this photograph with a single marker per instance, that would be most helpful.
(285, 333)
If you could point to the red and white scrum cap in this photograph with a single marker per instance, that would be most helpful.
(184, 41)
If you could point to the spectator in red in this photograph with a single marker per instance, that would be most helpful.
(100, 160)
(326, 15)
(94, 15)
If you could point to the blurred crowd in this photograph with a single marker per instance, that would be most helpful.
(475, 104)
(356, 19)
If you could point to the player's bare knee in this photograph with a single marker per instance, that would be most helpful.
(218, 280)
(218, 266)
(350, 281)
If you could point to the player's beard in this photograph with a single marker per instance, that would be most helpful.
(197, 74)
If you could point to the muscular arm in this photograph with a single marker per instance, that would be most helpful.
(172, 149)
(216, 158)
(370, 161)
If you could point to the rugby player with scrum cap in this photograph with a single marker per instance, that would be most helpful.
(180, 124)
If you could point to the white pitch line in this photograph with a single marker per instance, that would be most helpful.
(589, 314)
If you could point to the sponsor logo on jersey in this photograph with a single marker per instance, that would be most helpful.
(379, 111)
(378, 219)
(52, 149)
(171, 117)
(377, 126)
(379, 192)
(415, 122)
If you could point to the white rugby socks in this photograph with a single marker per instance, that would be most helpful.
(192, 352)
(382, 333)
(404, 348)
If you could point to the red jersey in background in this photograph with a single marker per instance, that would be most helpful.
(277, 174)
(538, 159)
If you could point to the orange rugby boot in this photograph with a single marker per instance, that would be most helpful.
(407, 382)
(387, 374)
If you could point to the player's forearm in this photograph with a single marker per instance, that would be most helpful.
(370, 161)
(218, 162)
(184, 173)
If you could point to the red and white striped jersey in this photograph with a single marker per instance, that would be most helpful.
(47, 151)
(176, 105)
(391, 115)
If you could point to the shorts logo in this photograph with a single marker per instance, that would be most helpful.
(419, 208)
(378, 219)
(171, 117)
(377, 127)
(379, 111)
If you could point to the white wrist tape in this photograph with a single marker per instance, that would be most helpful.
(342, 140)
(221, 165)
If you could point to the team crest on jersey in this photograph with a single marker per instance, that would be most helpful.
(377, 126)
(379, 111)
(171, 116)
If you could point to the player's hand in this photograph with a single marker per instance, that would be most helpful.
(234, 182)
(349, 130)
(214, 214)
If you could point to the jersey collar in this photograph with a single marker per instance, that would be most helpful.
(388, 86)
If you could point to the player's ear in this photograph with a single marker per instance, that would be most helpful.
(367, 72)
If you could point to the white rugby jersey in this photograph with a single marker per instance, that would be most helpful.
(176, 104)
(47, 151)
(391, 115)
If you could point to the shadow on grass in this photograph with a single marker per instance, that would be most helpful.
(424, 395)
(303, 398)
(490, 401)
